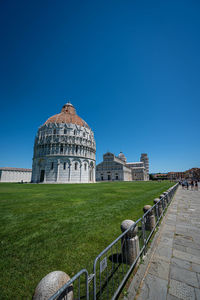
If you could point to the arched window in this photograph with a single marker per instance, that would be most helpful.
(76, 166)
(85, 165)
(61, 149)
(76, 149)
(64, 165)
(74, 132)
(83, 134)
(54, 131)
(52, 166)
(65, 131)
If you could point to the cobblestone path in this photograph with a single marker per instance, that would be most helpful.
(174, 268)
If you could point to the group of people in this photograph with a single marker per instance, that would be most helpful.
(193, 184)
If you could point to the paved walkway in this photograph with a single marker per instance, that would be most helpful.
(174, 269)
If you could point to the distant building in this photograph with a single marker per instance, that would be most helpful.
(193, 174)
(175, 175)
(114, 168)
(160, 176)
(15, 175)
(64, 149)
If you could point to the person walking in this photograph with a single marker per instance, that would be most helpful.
(187, 185)
(192, 185)
(196, 185)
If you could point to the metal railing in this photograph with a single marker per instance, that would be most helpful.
(112, 267)
(76, 288)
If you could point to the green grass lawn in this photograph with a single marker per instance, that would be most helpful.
(62, 227)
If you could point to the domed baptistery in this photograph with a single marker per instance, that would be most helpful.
(64, 149)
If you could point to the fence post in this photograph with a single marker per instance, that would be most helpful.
(150, 218)
(166, 197)
(50, 284)
(130, 242)
(170, 190)
(158, 202)
(162, 200)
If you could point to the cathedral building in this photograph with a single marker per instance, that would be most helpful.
(64, 150)
(117, 169)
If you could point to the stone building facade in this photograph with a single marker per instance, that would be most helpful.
(64, 150)
(117, 169)
(15, 174)
(191, 174)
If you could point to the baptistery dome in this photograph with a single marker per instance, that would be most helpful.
(68, 115)
(64, 149)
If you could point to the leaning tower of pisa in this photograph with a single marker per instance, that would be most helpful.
(144, 158)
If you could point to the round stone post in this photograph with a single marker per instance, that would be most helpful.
(162, 201)
(166, 197)
(130, 242)
(150, 218)
(50, 284)
(156, 200)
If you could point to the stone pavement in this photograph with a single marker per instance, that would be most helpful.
(173, 271)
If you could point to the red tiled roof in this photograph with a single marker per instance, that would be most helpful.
(15, 169)
(67, 115)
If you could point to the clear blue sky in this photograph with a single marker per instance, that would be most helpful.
(132, 69)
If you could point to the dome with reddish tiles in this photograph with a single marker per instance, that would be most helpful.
(64, 149)
(68, 116)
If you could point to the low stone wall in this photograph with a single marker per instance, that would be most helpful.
(15, 176)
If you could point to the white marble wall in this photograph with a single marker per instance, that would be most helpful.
(115, 175)
(127, 175)
(64, 170)
(138, 174)
(15, 176)
(71, 148)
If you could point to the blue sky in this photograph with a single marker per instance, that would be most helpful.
(131, 69)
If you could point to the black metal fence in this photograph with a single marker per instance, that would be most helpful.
(113, 266)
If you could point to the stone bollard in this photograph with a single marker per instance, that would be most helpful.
(166, 197)
(169, 194)
(156, 200)
(162, 196)
(50, 284)
(150, 218)
(130, 243)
